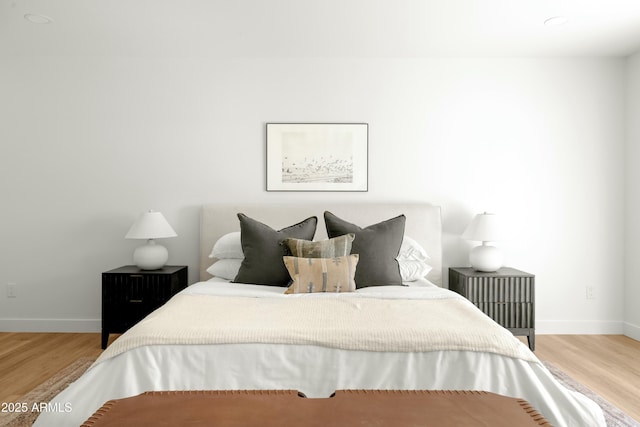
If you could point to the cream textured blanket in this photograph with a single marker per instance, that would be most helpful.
(360, 323)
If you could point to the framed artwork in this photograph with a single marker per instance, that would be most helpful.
(317, 156)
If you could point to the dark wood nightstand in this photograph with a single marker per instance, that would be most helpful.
(507, 296)
(129, 294)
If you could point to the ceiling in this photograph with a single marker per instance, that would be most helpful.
(325, 28)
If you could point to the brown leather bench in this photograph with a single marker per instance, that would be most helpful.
(288, 408)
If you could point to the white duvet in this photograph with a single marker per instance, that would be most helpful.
(316, 370)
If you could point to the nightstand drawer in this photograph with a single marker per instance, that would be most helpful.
(509, 314)
(127, 288)
(499, 289)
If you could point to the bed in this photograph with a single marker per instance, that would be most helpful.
(414, 335)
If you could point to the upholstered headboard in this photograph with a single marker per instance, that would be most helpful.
(423, 224)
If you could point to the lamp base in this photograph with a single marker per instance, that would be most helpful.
(485, 258)
(151, 256)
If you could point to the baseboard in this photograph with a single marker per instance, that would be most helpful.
(50, 325)
(575, 327)
(632, 331)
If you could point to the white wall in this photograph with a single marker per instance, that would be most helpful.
(89, 143)
(632, 278)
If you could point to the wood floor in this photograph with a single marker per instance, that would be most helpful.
(29, 359)
(607, 364)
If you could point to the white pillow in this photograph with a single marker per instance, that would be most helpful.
(410, 250)
(226, 268)
(413, 270)
(412, 259)
(228, 247)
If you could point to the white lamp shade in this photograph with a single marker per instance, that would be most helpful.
(150, 225)
(485, 227)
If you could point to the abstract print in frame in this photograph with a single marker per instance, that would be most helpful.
(317, 156)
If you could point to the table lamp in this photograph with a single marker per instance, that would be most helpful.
(485, 227)
(150, 225)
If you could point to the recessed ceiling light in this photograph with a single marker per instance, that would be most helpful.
(37, 18)
(556, 21)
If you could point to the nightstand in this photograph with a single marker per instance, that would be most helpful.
(129, 294)
(507, 296)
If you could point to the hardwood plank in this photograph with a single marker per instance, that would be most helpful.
(29, 359)
(607, 364)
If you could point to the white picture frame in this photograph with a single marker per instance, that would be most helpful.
(317, 156)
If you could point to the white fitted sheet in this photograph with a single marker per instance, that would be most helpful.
(316, 371)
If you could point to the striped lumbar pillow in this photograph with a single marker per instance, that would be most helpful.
(331, 248)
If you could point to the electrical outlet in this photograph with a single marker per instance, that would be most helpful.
(591, 292)
(11, 290)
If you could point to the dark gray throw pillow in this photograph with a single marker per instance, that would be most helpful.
(262, 263)
(378, 246)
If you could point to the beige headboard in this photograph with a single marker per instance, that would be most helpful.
(423, 224)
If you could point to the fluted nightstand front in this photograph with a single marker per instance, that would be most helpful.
(506, 295)
(129, 294)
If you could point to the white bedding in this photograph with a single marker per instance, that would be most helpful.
(304, 367)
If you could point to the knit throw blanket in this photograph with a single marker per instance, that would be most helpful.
(358, 323)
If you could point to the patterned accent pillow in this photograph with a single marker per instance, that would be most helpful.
(312, 275)
(331, 248)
